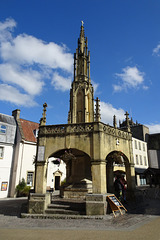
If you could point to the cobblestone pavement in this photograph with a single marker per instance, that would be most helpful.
(138, 214)
(141, 222)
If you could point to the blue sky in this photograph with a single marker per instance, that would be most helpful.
(38, 39)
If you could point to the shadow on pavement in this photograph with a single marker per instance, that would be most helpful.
(147, 203)
(13, 207)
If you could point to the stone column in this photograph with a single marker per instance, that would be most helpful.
(130, 174)
(41, 170)
(98, 168)
(130, 177)
(109, 177)
(39, 200)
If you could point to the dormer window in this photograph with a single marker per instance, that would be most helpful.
(3, 129)
(35, 132)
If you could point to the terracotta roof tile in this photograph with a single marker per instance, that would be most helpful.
(28, 127)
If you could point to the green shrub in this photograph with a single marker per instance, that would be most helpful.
(63, 182)
(22, 190)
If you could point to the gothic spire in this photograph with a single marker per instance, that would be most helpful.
(82, 58)
(81, 93)
(81, 40)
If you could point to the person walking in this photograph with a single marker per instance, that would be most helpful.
(118, 188)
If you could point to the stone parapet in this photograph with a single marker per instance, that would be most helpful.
(83, 127)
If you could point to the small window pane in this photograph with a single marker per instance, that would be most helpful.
(2, 129)
(30, 179)
(145, 161)
(1, 152)
(135, 144)
(143, 147)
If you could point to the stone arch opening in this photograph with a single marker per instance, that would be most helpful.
(117, 164)
(56, 173)
(78, 172)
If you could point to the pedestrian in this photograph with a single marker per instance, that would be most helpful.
(118, 188)
(124, 187)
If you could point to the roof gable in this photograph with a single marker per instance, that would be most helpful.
(27, 128)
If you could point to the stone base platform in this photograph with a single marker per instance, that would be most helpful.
(37, 203)
(96, 204)
(76, 190)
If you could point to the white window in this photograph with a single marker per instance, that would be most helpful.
(145, 161)
(141, 160)
(30, 179)
(143, 147)
(3, 129)
(1, 152)
(137, 160)
(35, 132)
(135, 143)
(139, 145)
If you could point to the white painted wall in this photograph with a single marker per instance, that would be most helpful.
(52, 170)
(5, 168)
(26, 154)
(142, 154)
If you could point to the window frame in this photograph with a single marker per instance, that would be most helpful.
(3, 129)
(137, 159)
(27, 179)
(145, 160)
(144, 149)
(2, 153)
(135, 144)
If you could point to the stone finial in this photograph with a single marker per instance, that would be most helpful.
(82, 23)
(97, 113)
(114, 121)
(43, 119)
(127, 121)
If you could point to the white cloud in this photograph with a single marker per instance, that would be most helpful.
(61, 83)
(29, 80)
(156, 51)
(26, 49)
(153, 128)
(108, 111)
(6, 28)
(95, 86)
(11, 94)
(27, 60)
(131, 77)
(117, 88)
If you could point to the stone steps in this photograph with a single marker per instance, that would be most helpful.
(66, 206)
(61, 211)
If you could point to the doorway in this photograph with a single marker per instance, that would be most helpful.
(57, 182)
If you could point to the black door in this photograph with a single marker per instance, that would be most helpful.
(57, 182)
